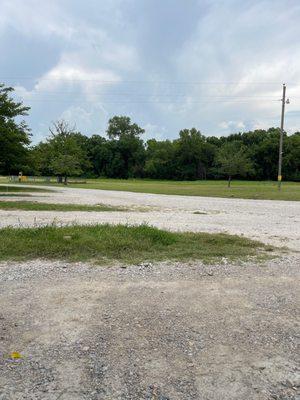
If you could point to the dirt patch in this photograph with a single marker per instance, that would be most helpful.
(163, 331)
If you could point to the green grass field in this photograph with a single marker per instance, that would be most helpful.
(130, 244)
(35, 206)
(240, 189)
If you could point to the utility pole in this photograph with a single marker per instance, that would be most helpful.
(279, 178)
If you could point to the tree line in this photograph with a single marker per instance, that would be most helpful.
(122, 152)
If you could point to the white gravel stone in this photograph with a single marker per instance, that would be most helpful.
(270, 221)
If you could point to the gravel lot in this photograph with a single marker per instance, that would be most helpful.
(272, 222)
(163, 331)
(167, 331)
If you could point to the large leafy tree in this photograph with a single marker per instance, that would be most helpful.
(14, 136)
(291, 157)
(128, 149)
(105, 157)
(262, 148)
(65, 152)
(121, 126)
(160, 159)
(233, 160)
(99, 154)
(194, 155)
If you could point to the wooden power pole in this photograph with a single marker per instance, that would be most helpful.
(279, 178)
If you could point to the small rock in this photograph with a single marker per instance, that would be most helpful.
(145, 265)
(288, 383)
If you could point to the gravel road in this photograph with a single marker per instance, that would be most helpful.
(167, 331)
(155, 332)
(272, 222)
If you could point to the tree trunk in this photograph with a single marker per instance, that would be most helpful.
(229, 181)
(66, 180)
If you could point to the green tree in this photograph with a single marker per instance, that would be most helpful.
(194, 155)
(160, 159)
(291, 157)
(263, 151)
(99, 154)
(233, 160)
(14, 136)
(121, 126)
(66, 156)
(128, 149)
(41, 156)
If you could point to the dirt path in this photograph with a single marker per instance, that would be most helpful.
(273, 222)
(167, 331)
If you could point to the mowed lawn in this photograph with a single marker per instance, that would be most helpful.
(239, 189)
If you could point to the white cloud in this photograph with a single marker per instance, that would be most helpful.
(236, 54)
(67, 79)
(232, 125)
(58, 20)
(86, 119)
(154, 132)
(35, 17)
(238, 47)
(67, 72)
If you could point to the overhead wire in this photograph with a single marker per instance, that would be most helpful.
(143, 98)
(70, 79)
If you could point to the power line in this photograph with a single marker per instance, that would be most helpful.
(148, 82)
(237, 101)
(54, 93)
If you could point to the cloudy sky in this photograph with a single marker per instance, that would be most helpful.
(168, 64)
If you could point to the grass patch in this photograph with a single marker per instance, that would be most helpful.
(14, 195)
(13, 189)
(128, 244)
(35, 206)
(265, 190)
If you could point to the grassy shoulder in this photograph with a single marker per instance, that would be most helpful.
(35, 206)
(15, 189)
(128, 244)
(265, 190)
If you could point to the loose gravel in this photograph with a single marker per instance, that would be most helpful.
(270, 221)
(167, 331)
(162, 331)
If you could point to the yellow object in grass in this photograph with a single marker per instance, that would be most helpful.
(15, 355)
